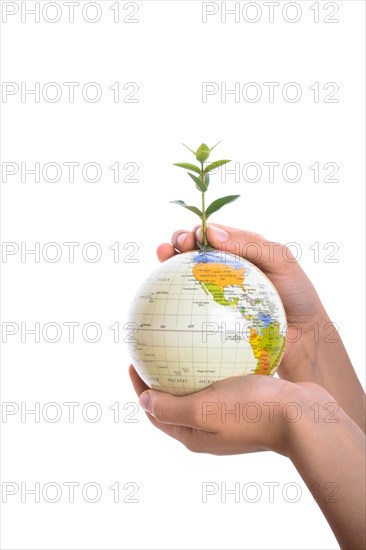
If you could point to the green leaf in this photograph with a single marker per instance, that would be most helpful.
(212, 148)
(200, 186)
(191, 208)
(203, 152)
(188, 166)
(207, 180)
(219, 203)
(191, 150)
(215, 164)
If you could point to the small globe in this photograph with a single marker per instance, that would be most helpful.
(203, 316)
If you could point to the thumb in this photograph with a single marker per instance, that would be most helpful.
(271, 257)
(170, 409)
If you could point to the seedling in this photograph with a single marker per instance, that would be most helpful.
(201, 178)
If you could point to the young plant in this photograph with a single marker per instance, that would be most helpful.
(201, 178)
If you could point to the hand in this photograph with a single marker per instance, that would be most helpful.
(237, 415)
(315, 358)
(222, 419)
(302, 304)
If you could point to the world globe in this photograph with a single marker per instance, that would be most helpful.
(203, 316)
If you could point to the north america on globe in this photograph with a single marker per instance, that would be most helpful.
(204, 316)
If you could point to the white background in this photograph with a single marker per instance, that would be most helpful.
(169, 52)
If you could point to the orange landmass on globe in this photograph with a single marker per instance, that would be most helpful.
(267, 347)
(214, 278)
(218, 274)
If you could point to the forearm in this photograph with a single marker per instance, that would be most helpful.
(330, 457)
(324, 361)
(338, 377)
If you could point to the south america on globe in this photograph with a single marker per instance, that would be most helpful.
(205, 315)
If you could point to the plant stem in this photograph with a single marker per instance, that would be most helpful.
(204, 230)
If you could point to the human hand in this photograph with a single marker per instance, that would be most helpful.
(256, 413)
(314, 351)
(300, 299)
(237, 415)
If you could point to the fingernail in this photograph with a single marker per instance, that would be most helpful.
(144, 401)
(199, 234)
(216, 234)
(181, 238)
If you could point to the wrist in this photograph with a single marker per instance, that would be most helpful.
(304, 406)
(327, 448)
(289, 407)
(311, 345)
(318, 415)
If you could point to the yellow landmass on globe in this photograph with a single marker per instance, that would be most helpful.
(215, 277)
(267, 347)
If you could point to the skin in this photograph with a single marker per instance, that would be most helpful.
(305, 359)
(324, 440)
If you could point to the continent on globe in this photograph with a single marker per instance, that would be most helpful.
(267, 347)
(201, 317)
(215, 277)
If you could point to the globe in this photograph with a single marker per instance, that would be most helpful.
(203, 316)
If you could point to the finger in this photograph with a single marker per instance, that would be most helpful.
(269, 256)
(138, 384)
(165, 251)
(195, 440)
(181, 433)
(184, 240)
(169, 409)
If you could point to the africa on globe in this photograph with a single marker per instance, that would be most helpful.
(202, 317)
